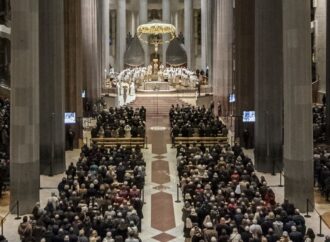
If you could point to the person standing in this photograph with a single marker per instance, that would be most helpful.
(70, 137)
(246, 137)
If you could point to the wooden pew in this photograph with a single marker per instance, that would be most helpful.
(111, 142)
(201, 140)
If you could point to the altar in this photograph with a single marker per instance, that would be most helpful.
(156, 85)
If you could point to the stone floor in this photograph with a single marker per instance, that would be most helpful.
(162, 212)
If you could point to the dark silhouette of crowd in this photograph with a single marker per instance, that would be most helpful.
(322, 170)
(224, 199)
(188, 121)
(120, 122)
(99, 200)
(4, 142)
(319, 124)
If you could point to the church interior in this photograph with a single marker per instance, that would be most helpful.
(164, 120)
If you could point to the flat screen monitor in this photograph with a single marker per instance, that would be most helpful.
(232, 98)
(249, 116)
(69, 118)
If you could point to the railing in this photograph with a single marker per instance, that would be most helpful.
(275, 167)
(15, 205)
(177, 193)
(308, 204)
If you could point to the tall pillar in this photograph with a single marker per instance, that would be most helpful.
(320, 43)
(73, 61)
(195, 49)
(210, 42)
(223, 41)
(243, 66)
(51, 55)
(328, 72)
(133, 23)
(268, 85)
(298, 134)
(24, 120)
(91, 60)
(205, 23)
(176, 22)
(188, 31)
(113, 34)
(121, 34)
(167, 19)
(143, 18)
(105, 35)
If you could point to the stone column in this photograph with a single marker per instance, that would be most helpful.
(73, 61)
(223, 41)
(143, 18)
(243, 67)
(209, 56)
(167, 19)
(105, 35)
(320, 43)
(298, 134)
(328, 72)
(133, 23)
(91, 60)
(24, 120)
(121, 34)
(176, 22)
(188, 30)
(52, 107)
(113, 34)
(268, 85)
(205, 23)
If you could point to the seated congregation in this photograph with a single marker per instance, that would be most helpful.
(188, 121)
(120, 122)
(99, 200)
(224, 200)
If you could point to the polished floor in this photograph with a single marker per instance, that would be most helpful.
(162, 212)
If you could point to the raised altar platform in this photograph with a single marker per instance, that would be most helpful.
(156, 85)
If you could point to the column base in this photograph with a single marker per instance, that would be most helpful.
(299, 183)
(24, 186)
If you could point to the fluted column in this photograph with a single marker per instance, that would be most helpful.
(24, 119)
(222, 63)
(320, 43)
(166, 19)
(51, 55)
(298, 135)
(143, 18)
(105, 34)
(121, 34)
(205, 33)
(188, 31)
(90, 41)
(327, 74)
(73, 61)
(268, 85)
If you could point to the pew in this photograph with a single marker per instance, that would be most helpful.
(111, 142)
(207, 141)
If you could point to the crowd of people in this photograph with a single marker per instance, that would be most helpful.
(120, 122)
(319, 124)
(224, 200)
(188, 121)
(4, 142)
(99, 200)
(322, 170)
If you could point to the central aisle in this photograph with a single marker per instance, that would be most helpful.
(162, 216)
